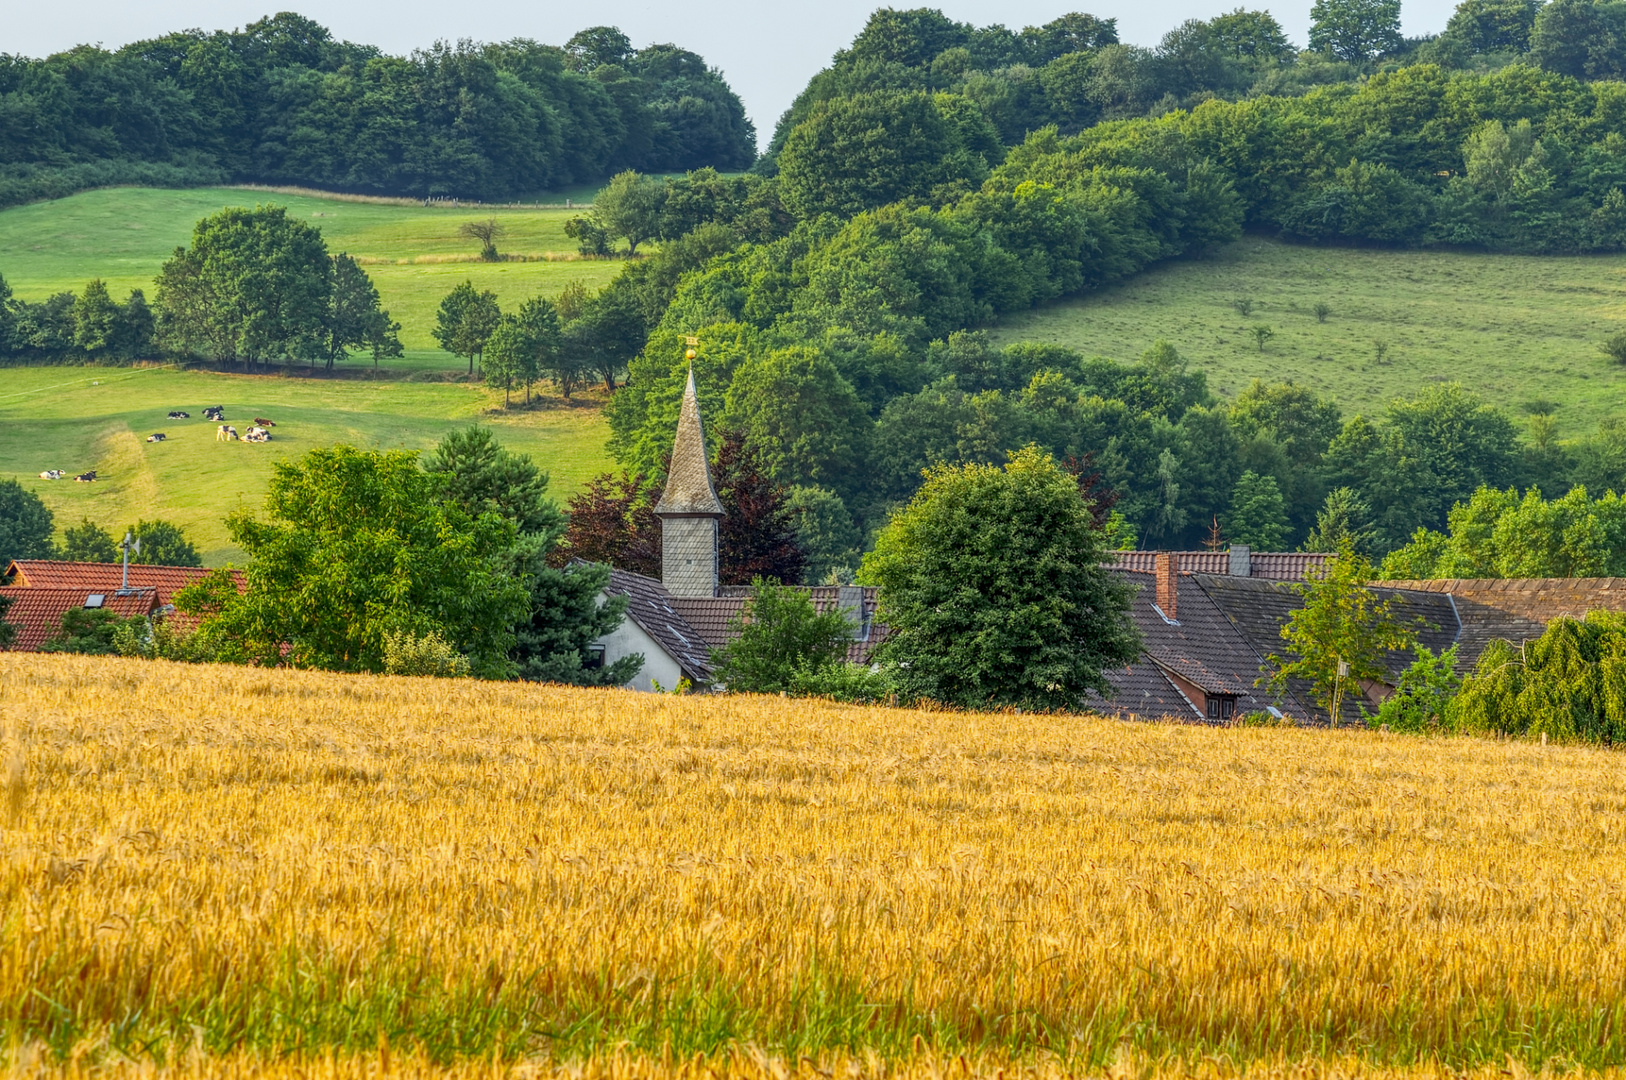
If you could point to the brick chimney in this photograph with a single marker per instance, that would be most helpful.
(1241, 561)
(1168, 584)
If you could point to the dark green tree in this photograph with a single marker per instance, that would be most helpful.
(355, 318)
(1580, 38)
(1491, 26)
(477, 475)
(466, 320)
(96, 320)
(1258, 514)
(255, 285)
(856, 153)
(92, 631)
(993, 586)
(526, 346)
(89, 542)
(25, 525)
(163, 544)
(825, 533)
(1345, 519)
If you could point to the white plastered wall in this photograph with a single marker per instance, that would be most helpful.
(659, 666)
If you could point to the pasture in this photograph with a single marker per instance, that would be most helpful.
(228, 868)
(82, 418)
(412, 252)
(1518, 330)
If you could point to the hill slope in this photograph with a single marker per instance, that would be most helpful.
(78, 419)
(1515, 329)
(412, 252)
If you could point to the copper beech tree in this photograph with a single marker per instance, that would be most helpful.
(614, 521)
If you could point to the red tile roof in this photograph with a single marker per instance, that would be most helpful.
(37, 612)
(1272, 565)
(106, 577)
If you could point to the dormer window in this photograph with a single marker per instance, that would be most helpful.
(1221, 706)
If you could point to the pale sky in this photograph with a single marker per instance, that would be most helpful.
(766, 50)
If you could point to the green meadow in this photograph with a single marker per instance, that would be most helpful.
(82, 418)
(1518, 330)
(412, 252)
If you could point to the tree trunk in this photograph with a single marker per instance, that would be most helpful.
(471, 363)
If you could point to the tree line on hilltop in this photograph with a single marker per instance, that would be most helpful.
(282, 102)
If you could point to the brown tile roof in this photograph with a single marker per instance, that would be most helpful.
(710, 616)
(1202, 646)
(106, 577)
(1538, 600)
(37, 612)
(654, 611)
(1275, 565)
(688, 478)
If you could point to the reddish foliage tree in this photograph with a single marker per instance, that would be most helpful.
(614, 522)
(1093, 487)
(757, 537)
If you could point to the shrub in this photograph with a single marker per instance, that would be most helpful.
(406, 653)
(780, 637)
(1423, 694)
(1570, 684)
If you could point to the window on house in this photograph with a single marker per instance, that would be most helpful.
(1221, 707)
(595, 657)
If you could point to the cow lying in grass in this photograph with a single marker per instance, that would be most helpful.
(260, 421)
(217, 413)
(176, 414)
(157, 436)
(257, 434)
(51, 474)
(87, 478)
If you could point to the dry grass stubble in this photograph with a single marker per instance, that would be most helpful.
(224, 865)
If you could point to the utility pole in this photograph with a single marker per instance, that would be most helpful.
(130, 544)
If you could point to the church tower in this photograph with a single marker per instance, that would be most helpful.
(689, 509)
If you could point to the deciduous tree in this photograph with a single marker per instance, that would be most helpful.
(25, 525)
(356, 545)
(1338, 637)
(992, 583)
(779, 635)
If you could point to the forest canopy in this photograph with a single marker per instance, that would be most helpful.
(281, 101)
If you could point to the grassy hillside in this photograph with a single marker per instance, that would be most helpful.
(413, 252)
(284, 865)
(1516, 329)
(98, 418)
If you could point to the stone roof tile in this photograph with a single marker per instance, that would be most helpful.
(688, 478)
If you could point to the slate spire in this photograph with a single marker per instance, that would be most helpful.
(688, 479)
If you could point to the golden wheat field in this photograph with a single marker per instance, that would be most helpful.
(214, 870)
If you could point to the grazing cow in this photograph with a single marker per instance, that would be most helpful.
(176, 414)
(261, 421)
(157, 436)
(225, 433)
(51, 474)
(87, 478)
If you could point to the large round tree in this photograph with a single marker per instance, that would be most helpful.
(993, 586)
